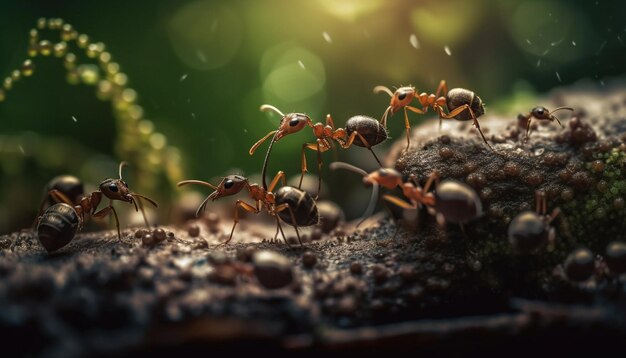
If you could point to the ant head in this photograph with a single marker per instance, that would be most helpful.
(385, 177)
(401, 97)
(229, 185)
(540, 112)
(116, 189)
(292, 123)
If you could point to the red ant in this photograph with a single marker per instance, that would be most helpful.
(293, 206)
(452, 201)
(113, 189)
(541, 113)
(360, 130)
(462, 105)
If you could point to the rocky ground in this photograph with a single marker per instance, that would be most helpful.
(432, 289)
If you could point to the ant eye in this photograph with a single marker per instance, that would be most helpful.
(294, 122)
(113, 188)
(402, 96)
(539, 110)
(228, 184)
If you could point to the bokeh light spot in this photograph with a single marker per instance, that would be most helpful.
(205, 35)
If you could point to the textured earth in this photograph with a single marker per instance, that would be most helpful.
(421, 287)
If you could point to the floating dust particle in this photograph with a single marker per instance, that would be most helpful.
(327, 37)
(620, 40)
(447, 49)
(574, 43)
(301, 65)
(538, 62)
(201, 55)
(414, 42)
(21, 149)
(183, 77)
(74, 119)
(245, 130)
(558, 77)
(193, 115)
(528, 42)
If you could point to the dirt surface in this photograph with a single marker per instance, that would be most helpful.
(432, 289)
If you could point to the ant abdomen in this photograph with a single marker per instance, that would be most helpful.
(57, 226)
(301, 203)
(69, 185)
(371, 129)
(457, 202)
(458, 97)
(528, 232)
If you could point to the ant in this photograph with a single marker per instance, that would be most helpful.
(293, 206)
(360, 130)
(530, 230)
(462, 105)
(452, 201)
(112, 189)
(541, 113)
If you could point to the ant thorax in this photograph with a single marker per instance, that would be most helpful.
(259, 194)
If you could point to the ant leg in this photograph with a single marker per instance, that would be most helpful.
(556, 212)
(528, 128)
(246, 207)
(434, 176)
(442, 89)
(407, 125)
(279, 176)
(104, 212)
(294, 223)
(399, 202)
(279, 227)
(319, 171)
(460, 109)
(304, 166)
(369, 147)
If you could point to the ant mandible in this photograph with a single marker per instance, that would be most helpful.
(293, 206)
(541, 113)
(462, 105)
(112, 189)
(361, 128)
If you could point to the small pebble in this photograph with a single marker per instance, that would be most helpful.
(309, 259)
(356, 268)
(272, 269)
(159, 234)
(380, 273)
(193, 230)
(140, 233)
(147, 239)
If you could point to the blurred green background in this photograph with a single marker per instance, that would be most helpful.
(202, 68)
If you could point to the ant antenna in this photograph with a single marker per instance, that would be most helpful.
(269, 107)
(558, 109)
(122, 165)
(374, 196)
